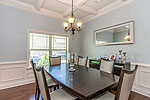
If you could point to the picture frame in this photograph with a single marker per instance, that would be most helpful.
(112, 57)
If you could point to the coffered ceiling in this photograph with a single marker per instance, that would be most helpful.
(83, 9)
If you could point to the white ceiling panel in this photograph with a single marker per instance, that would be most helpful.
(99, 4)
(69, 2)
(83, 9)
(80, 14)
(55, 6)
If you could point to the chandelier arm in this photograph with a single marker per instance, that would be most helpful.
(66, 30)
(77, 29)
(72, 21)
(69, 29)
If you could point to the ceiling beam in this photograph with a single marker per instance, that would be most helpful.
(124, 0)
(68, 11)
(38, 4)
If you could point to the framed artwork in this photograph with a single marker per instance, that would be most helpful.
(112, 57)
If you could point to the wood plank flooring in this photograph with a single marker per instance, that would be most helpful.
(26, 92)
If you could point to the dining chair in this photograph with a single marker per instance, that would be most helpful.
(124, 86)
(50, 82)
(58, 94)
(127, 66)
(55, 60)
(82, 61)
(107, 65)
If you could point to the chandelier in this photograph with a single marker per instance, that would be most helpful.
(71, 25)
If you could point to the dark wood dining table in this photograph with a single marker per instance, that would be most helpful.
(85, 83)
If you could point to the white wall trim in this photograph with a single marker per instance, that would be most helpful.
(31, 8)
(141, 82)
(140, 91)
(107, 9)
(15, 73)
(141, 85)
(12, 62)
(46, 32)
(15, 84)
(141, 64)
(45, 12)
(30, 30)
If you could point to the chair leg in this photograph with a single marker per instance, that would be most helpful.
(54, 88)
(57, 86)
(36, 91)
(38, 94)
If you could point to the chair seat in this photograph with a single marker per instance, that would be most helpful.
(60, 94)
(50, 82)
(107, 96)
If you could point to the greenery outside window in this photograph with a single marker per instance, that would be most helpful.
(42, 46)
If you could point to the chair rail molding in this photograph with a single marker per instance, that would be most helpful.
(15, 74)
(12, 62)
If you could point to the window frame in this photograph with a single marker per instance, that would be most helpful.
(50, 50)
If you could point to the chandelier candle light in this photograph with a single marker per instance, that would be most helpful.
(71, 21)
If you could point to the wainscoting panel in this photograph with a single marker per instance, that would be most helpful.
(30, 75)
(15, 74)
(145, 79)
(11, 74)
(142, 79)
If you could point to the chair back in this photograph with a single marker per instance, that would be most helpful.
(125, 84)
(127, 66)
(107, 65)
(42, 83)
(55, 60)
(33, 67)
(82, 61)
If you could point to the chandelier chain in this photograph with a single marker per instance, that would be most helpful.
(72, 8)
(72, 22)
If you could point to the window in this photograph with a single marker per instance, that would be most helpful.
(43, 45)
(59, 47)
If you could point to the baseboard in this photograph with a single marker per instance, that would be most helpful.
(14, 84)
(140, 91)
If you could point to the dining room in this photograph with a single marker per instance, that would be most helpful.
(74, 50)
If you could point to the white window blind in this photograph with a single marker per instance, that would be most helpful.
(42, 46)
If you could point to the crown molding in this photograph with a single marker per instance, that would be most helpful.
(38, 4)
(69, 3)
(31, 8)
(107, 9)
(49, 13)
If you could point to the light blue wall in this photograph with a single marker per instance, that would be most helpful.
(13, 32)
(137, 11)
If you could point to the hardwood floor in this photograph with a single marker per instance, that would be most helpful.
(26, 92)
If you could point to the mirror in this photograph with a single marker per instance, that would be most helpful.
(116, 34)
